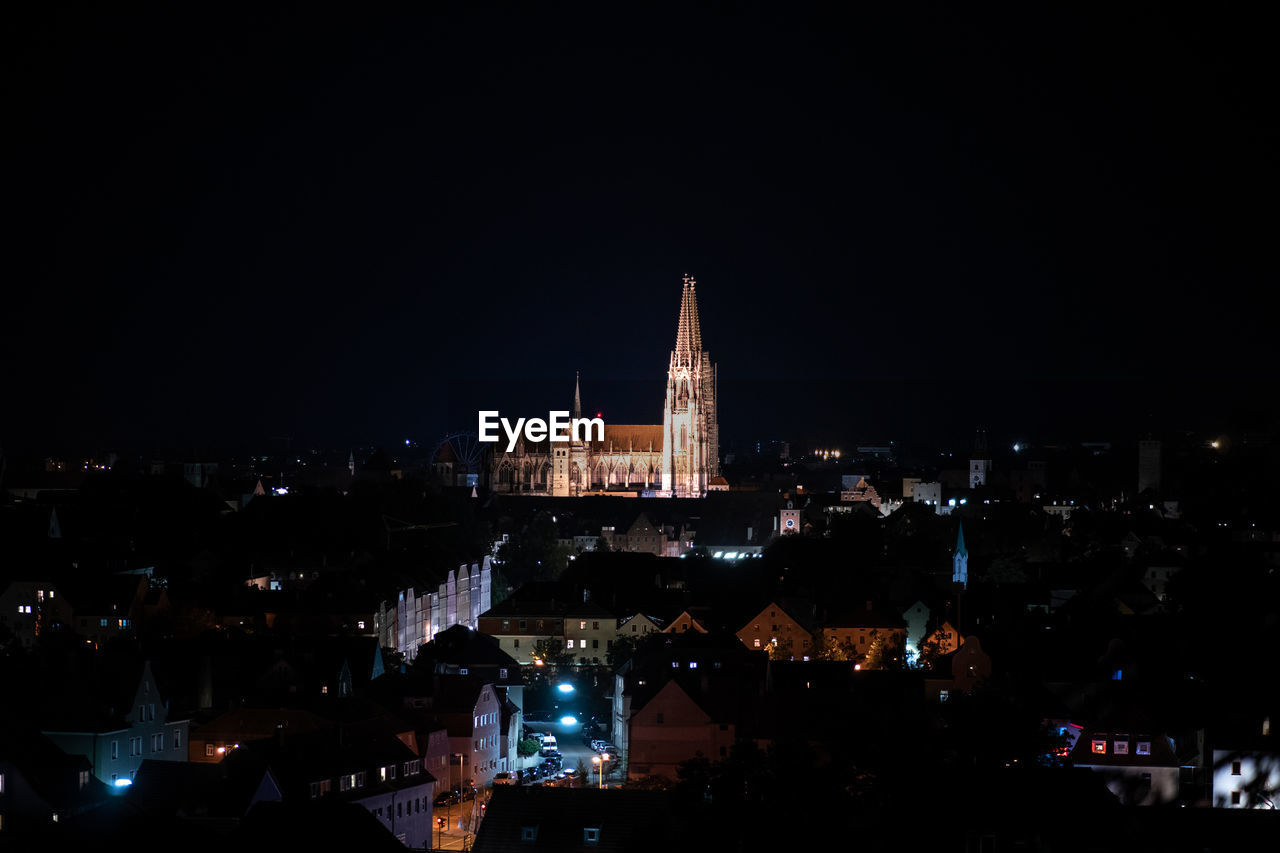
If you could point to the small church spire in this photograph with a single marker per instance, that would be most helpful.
(577, 397)
(960, 561)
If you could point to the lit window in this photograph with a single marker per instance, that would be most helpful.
(693, 664)
(582, 626)
(1100, 747)
(1122, 747)
(208, 749)
(756, 642)
(1144, 747)
(360, 625)
(571, 644)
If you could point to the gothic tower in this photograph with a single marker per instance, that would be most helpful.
(690, 433)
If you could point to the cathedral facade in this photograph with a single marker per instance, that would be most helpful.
(676, 458)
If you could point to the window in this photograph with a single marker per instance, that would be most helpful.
(102, 623)
(595, 626)
(1099, 747)
(360, 624)
(1235, 768)
(633, 629)
(582, 625)
(591, 835)
(315, 790)
(944, 695)
(693, 664)
(528, 833)
(523, 624)
(2, 783)
(1122, 747)
(502, 672)
(177, 738)
(1235, 798)
(115, 749)
(1144, 747)
(662, 718)
(208, 749)
(462, 670)
(84, 779)
(399, 809)
(515, 644)
(756, 642)
(570, 645)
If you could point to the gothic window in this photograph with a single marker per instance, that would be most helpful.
(684, 438)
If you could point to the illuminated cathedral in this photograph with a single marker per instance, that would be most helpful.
(679, 457)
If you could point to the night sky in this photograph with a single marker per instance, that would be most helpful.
(357, 227)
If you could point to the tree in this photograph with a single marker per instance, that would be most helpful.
(527, 747)
(827, 646)
(886, 652)
(551, 651)
(602, 545)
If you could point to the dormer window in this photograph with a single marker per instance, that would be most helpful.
(591, 835)
(1099, 747)
(1144, 747)
(1122, 747)
(529, 833)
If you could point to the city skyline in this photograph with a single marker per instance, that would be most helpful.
(274, 237)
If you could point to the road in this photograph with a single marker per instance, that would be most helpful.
(460, 828)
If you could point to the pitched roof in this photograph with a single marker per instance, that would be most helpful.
(557, 817)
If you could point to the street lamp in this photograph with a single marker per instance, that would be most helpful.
(600, 761)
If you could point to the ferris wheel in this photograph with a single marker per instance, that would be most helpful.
(461, 448)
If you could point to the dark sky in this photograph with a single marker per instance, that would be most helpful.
(354, 226)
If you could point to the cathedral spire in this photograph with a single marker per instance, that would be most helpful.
(689, 330)
(577, 397)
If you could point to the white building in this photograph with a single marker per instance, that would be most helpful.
(417, 615)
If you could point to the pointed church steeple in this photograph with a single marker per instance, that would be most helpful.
(577, 397)
(960, 561)
(688, 330)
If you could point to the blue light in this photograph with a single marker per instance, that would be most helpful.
(565, 688)
(123, 783)
(568, 721)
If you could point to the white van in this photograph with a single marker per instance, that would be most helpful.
(549, 746)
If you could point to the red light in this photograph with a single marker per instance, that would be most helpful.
(599, 414)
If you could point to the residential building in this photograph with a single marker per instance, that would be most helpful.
(117, 738)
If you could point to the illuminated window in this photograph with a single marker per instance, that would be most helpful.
(756, 642)
(1122, 747)
(582, 625)
(1100, 747)
(1144, 747)
(570, 644)
(693, 664)
(208, 749)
